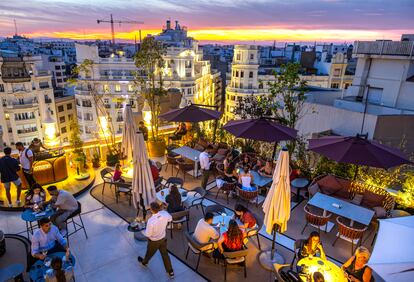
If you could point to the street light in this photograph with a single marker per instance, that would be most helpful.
(146, 113)
(49, 125)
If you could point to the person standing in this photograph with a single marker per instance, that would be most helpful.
(8, 169)
(157, 239)
(65, 203)
(144, 130)
(26, 160)
(205, 165)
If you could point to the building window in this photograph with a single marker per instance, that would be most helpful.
(119, 117)
(57, 67)
(88, 117)
(241, 73)
(241, 84)
(238, 56)
(69, 106)
(250, 86)
(374, 95)
(337, 72)
(251, 56)
(335, 85)
(60, 109)
(106, 88)
(86, 103)
(58, 74)
(88, 130)
(77, 102)
(1, 88)
(237, 73)
(251, 74)
(130, 88)
(346, 85)
(188, 64)
(62, 119)
(70, 117)
(63, 130)
(118, 88)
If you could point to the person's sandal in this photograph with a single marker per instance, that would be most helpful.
(171, 274)
(141, 261)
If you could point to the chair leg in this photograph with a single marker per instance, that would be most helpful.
(245, 268)
(103, 188)
(218, 190)
(303, 230)
(171, 230)
(326, 227)
(198, 260)
(83, 226)
(186, 254)
(225, 270)
(258, 241)
(188, 228)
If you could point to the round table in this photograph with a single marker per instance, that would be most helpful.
(38, 269)
(329, 270)
(221, 223)
(30, 216)
(299, 183)
(138, 235)
(166, 191)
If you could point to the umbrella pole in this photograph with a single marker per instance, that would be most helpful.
(272, 253)
(274, 151)
(268, 258)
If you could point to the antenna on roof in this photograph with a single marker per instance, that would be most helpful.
(15, 27)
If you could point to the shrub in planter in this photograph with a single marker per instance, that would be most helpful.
(96, 162)
(112, 159)
(157, 147)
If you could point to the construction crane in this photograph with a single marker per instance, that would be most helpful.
(112, 21)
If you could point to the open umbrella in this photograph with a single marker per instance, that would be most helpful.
(128, 133)
(393, 254)
(192, 113)
(276, 208)
(358, 150)
(143, 188)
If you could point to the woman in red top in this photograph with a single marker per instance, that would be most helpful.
(245, 216)
(154, 171)
(232, 239)
(117, 174)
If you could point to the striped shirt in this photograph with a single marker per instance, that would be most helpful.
(46, 241)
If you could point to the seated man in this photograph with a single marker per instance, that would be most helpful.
(47, 238)
(65, 204)
(205, 232)
(179, 132)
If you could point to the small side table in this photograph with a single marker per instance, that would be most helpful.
(299, 183)
(138, 235)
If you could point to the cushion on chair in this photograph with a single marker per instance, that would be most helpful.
(180, 220)
(194, 250)
(329, 185)
(380, 212)
(234, 260)
(314, 189)
(357, 199)
(371, 200)
(124, 190)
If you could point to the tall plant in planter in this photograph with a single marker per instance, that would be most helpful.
(150, 60)
(77, 145)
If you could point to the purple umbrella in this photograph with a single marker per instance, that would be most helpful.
(261, 129)
(191, 113)
(359, 151)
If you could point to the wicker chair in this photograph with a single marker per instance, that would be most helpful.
(248, 196)
(315, 219)
(171, 161)
(184, 166)
(226, 189)
(349, 232)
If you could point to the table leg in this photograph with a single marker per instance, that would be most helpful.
(195, 169)
(27, 230)
(324, 213)
(297, 194)
(351, 223)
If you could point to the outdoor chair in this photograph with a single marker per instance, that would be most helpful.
(125, 188)
(248, 196)
(195, 198)
(315, 219)
(227, 188)
(174, 180)
(25, 257)
(184, 166)
(282, 273)
(296, 249)
(106, 175)
(171, 161)
(350, 232)
(215, 209)
(76, 225)
(232, 258)
(251, 232)
(220, 170)
(197, 248)
(179, 217)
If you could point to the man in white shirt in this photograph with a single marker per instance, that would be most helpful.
(47, 238)
(157, 240)
(26, 161)
(205, 232)
(205, 165)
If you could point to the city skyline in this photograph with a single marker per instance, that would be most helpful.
(224, 21)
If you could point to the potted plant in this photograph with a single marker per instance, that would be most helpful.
(150, 60)
(96, 162)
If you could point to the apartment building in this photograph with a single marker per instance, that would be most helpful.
(65, 116)
(26, 94)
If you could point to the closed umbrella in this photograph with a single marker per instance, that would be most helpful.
(276, 208)
(143, 188)
(393, 254)
(128, 133)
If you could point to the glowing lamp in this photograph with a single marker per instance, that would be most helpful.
(104, 126)
(49, 125)
(146, 113)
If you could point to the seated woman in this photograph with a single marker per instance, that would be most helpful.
(267, 170)
(259, 165)
(173, 200)
(232, 239)
(118, 174)
(356, 267)
(61, 271)
(246, 180)
(229, 174)
(244, 162)
(35, 196)
(312, 247)
(227, 161)
(179, 132)
(154, 170)
(245, 216)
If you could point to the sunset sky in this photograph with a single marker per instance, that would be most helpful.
(214, 20)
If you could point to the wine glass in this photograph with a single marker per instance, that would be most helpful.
(223, 215)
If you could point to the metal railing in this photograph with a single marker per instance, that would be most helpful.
(393, 48)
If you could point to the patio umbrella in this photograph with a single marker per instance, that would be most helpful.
(128, 133)
(276, 208)
(191, 113)
(393, 254)
(358, 150)
(143, 188)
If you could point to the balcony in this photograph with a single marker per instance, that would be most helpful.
(48, 100)
(44, 85)
(26, 130)
(119, 119)
(390, 48)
